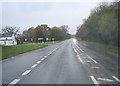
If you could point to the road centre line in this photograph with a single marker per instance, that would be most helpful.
(14, 81)
(45, 56)
(92, 59)
(42, 59)
(116, 78)
(26, 72)
(34, 65)
(80, 59)
(94, 80)
(38, 62)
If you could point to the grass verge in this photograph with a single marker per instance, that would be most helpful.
(108, 48)
(9, 51)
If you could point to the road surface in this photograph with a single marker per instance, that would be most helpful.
(67, 62)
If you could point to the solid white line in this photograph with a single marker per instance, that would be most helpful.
(38, 62)
(42, 58)
(15, 81)
(92, 59)
(34, 65)
(26, 72)
(80, 59)
(116, 78)
(94, 80)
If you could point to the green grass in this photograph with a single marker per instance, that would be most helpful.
(9, 51)
(108, 48)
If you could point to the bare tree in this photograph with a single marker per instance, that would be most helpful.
(11, 30)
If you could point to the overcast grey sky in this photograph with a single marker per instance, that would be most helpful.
(28, 14)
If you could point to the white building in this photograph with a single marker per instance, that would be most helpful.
(8, 40)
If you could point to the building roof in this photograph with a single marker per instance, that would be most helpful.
(7, 35)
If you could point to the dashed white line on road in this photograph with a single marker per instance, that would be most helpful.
(92, 59)
(15, 81)
(38, 62)
(94, 80)
(80, 59)
(116, 78)
(34, 66)
(26, 72)
(42, 58)
(45, 56)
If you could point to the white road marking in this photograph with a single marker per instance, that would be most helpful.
(116, 78)
(92, 59)
(42, 58)
(94, 80)
(80, 59)
(50, 53)
(38, 62)
(34, 66)
(75, 50)
(26, 72)
(45, 56)
(95, 67)
(104, 79)
(15, 81)
(81, 50)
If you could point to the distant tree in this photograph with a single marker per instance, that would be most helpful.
(30, 33)
(57, 33)
(11, 30)
(42, 31)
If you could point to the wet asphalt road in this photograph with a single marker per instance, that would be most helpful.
(67, 62)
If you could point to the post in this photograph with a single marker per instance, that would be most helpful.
(53, 40)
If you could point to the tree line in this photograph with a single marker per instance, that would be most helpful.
(45, 32)
(101, 25)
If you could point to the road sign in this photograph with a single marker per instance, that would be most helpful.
(25, 39)
(47, 39)
(53, 39)
(40, 38)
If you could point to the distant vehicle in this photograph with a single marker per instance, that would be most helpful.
(8, 40)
